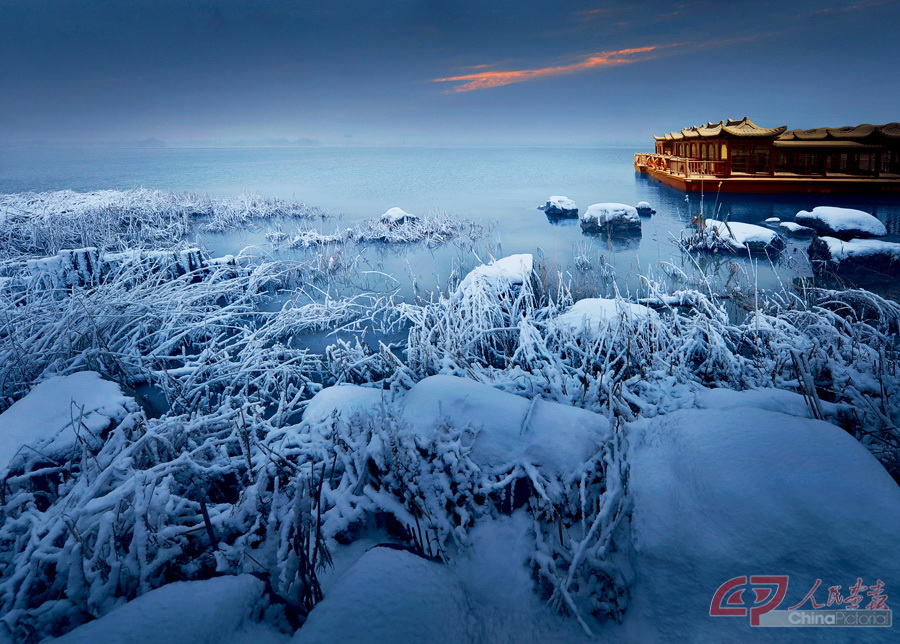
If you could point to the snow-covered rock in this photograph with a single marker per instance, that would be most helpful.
(796, 229)
(397, 216)
(832, 253)
(611, 218)
(720, 493)
(212, 611)
(740, 237)
(644, 209)
(500, 274)
(342, 402)
(559, 206)
(390, 596)
(594, 315)
(55, 413)
(841, 222)
(772, 221)
(508, 430)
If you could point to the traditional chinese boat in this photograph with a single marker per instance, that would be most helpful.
(740, 156)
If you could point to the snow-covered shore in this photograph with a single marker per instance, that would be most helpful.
(503, 461)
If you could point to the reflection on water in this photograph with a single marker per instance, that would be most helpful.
(503, 185)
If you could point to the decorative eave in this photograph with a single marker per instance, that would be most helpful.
(864, 132)
(823, 145)
(852, 132)
(817, 134)
(747, 128)
(743, 128)
(710, 129)
(890, 130)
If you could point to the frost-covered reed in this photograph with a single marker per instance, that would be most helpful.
(230, 477)
(45, 222)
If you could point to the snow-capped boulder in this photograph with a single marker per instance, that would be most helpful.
(52, 417)
(390, 596)
(498, 276)
(835, 254)
(594, 315)
(611, 219)
(559, 206)
(508, 430)
(644, 209)
(720, 493)
(773, 221)
(217, 610)
(843, 223)
(796, 229)
(740, 237)
(342, 402)
(397, 216)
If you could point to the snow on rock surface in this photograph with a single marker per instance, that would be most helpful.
(644, 208)
(720, 493)
(342, 402)
(397, 216)
(559, 206)
(212, 611)
(595, 314)
(611, 218)
(54, 413)
(500, 274)
(796, 229)
(485, 594)
(841, 222)
(853, 254)
(738, 236)
(773, 220)
(509, 430)
(391, 596)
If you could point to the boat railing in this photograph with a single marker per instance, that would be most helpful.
(682, 166)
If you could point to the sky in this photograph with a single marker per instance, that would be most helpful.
(435, 72)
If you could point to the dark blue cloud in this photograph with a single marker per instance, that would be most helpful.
(364, 71)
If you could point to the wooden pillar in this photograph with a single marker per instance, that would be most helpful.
(772, 153)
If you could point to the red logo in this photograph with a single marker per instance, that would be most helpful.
(732, 599)
(768, 593)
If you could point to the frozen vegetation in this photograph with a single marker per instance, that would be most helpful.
(514, 458)
(734, 237)
(395, 226)
(46, 222)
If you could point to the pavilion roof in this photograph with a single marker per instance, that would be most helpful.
(744, 128)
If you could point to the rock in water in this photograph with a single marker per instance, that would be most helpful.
(611, 219)
(796, 229)
(829, 253)
(645, 209)
(843, 223)
(559, 206)
(397, 216)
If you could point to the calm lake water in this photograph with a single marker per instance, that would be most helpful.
(497, 186)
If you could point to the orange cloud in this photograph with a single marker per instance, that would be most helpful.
(485, 80)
